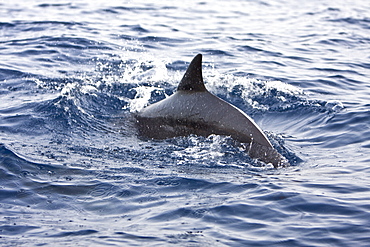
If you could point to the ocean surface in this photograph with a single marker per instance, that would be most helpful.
(74, 172)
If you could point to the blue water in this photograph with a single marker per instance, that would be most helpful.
(73, 171)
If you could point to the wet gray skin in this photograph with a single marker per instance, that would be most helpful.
(192, 109)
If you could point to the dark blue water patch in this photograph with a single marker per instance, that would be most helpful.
(259, 50)
(22, 124)
(34, 51)
(251, 48)
(124, 238)
(363, 65)
(51, 5)
(16, 114)
(179, 214)
(124, 37)
(362, 22)
(73, 233)
(37, 26)
(250, 36)
(337, 72)
(4, 25)
(47, 52)
(334, 43)
(58, 43)
(338, 188)
(8, 74)
(274, 196)
(328, 10)
(154, 39)
(136, 9)
(58, 116)
(28, 184)
(329, 208)
(15, 230)
(75, 43)
(168, 26)
(45, 25)
(122, 173)
(272, 63)
(13, 88)
(317, 205)
(300, 58)
(19, 166)
(347, 128)
(136, 237)
(110, 11)
(136, 28)
(178, 183)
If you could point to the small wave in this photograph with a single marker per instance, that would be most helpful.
(6, 24)
(36, 26)
(7, 74)
(136, 28)
(48, 5)
(73, 233)
(23, 180)
(15, 229)
(249, 48)
(362, 22)
(75, 43)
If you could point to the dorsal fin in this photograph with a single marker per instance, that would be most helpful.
(193, 78)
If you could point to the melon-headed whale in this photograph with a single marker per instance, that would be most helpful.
(192, 109)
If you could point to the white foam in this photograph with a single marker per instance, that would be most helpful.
(142, 97)
(283, 87)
